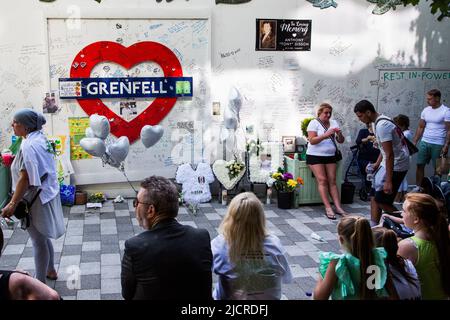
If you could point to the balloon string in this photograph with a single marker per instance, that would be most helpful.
(123, 171)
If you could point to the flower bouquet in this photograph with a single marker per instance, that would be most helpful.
(284, 181)
(97, 197)
(285, 184)
(95, 200)
(234, 168)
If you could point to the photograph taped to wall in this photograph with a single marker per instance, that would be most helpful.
(77, 131)
(128, 109)
(50, 103)
(288, 143)
(216, 108)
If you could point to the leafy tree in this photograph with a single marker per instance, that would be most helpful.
(443, 6)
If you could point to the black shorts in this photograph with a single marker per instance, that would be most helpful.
(381, 197)
(310, 159)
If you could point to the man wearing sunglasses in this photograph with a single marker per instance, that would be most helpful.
(168, 261)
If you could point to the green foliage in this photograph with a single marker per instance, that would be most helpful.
(443, 6)
(304, 126)
(97, 197)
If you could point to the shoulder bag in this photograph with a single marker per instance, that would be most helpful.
(22, 210)
(412, 149)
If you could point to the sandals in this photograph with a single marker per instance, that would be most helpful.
(330, 214)
(52, 275)
(343, 213)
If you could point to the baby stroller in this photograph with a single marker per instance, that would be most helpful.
(354, 170)
(438, 190)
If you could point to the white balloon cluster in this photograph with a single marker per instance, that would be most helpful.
(231, 116)
(97, 144)
(115, 152)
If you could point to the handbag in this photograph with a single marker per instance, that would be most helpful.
(337, 153)
(397, 228)
(442, 165)
(412, 149)
(22, 210)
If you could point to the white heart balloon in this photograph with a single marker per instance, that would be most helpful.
(89, 133)
(99, 125)
(94, 146)
(221, 172)
(151, 135)
(119, 149)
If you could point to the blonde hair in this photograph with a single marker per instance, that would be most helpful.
(358, 239)
(430, 213)
(322, 107)
(244, 226)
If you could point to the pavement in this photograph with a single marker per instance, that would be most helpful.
(88, 256)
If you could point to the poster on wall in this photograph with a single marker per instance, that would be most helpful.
(283, 35)
(77, 131)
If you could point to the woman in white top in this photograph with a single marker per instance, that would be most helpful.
(320, 157)
(250, 263)
(34, 168)
(403, 282)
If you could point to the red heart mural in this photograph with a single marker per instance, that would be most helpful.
(107, 51)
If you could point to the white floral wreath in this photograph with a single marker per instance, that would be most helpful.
(275, 149)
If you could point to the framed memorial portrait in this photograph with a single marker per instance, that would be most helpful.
(288, 143)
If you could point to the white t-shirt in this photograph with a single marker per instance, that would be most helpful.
(326, 147)
(435, 119)
(195, 186)
(388, 131)
(405, 289)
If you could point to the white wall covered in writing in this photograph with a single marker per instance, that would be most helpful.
(351, 50)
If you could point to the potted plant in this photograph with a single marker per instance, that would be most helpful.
(95, 200)
(304, 125)
(285, 184)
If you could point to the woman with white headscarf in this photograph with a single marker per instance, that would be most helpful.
(34, 168)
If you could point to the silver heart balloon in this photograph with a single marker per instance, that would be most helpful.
(151, 135)
(94, 146)
(89, 133)
(99, 125)
(109, 159)
(119, 149)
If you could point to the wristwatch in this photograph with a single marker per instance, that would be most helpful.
(13, 203)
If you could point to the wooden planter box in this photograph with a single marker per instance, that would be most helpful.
(308, 193)
(5, 185)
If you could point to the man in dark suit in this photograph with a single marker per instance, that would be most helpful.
(168, 260)
(267, 36)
